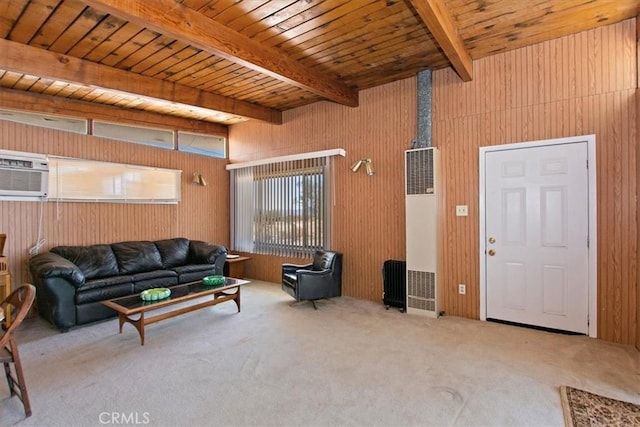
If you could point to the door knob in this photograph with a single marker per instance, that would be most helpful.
(492, 239)
(491, 252)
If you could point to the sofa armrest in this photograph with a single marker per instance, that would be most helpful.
(49, 265)
(293, 268)
(56, 280)
(206, 253)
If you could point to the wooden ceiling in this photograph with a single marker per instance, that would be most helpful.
(228, 61)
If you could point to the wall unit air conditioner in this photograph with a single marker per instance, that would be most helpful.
(23, 176)
(421, 203)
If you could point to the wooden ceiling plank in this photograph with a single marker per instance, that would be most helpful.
(151, 54)
(198, 79)
(438, 20)
(79, 91)
(25, 82)
(59, 21)
(19, 100)
(32, 60)
(10, 11)
(373, 43)
(365, 29)
(184, 67)
(181, 52)
(390, 47)
(175, 20)
(270, 26)
(208, 8)
(316, 10)
(320, 21)
(355, 20)
(37, 13)
(239, 10)
(214, 74)
(56, 88)
(113, 42)
(257, 15)
(96, 32)
(202, 62)
(262, 85)
(9, 78)
(139, 41)
(41, 85)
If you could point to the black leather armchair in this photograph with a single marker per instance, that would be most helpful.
(318, 280)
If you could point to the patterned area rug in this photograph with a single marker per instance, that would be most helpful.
(582, 408)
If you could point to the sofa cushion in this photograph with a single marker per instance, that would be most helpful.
(192, 268)
(137, 257)
(104, 293)
(156, 282)
(174, 252)
(105, 282)
(94, 261)
(156, 274)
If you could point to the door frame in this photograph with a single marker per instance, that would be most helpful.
(592, 220)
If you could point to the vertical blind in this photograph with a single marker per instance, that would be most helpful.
(281, 208)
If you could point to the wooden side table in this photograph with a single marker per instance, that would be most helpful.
(234, 267)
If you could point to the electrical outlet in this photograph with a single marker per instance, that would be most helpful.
(462, 210)
(462, 289)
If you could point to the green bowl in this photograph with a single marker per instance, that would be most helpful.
(213, 280)
(155, 294)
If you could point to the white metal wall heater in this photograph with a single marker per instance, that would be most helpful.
(421, 203)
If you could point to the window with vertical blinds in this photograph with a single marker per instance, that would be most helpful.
(282, 208)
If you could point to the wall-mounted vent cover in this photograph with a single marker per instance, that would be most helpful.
(419, 172)
(421, 290)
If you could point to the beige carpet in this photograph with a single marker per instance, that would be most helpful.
(584, 409)
(350, 363)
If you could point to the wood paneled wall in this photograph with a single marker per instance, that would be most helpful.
(576, 85)
(368, 214)
(580, 84)
(637, 343)
(202, 214)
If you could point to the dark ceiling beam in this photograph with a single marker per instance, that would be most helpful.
(436, 17)
(172, 19)
(25, 59)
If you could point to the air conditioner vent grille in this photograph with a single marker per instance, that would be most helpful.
(20, 180)
(420, 173)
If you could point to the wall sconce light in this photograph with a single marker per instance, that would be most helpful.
(198, 179)
(367, 165)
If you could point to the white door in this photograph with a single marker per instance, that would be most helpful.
(537, 228)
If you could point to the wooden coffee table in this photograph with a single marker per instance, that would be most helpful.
(133, 305)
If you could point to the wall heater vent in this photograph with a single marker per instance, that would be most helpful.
(421, 203)
(420, 172)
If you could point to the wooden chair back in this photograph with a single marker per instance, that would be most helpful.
(20, 300)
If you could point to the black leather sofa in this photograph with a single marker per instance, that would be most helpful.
(71, 281)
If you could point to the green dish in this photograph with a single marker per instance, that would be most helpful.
(213, 280)
(155, 294)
